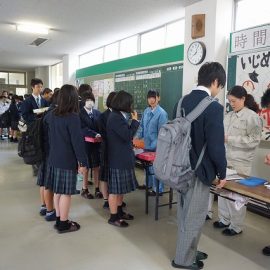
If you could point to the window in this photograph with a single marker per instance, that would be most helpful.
(57, 75)
(21, 91)
(111, 52)
(153, 40)
(3, 77)
(16, 78)
(92, 58)
(175, 33)
(250, 14)
(129, 47)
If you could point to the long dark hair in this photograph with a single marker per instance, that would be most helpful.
(109, 99)
(265, 100)
(251, 103)
(67, 101)
(55, 96)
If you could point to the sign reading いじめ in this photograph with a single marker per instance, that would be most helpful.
(253, 72)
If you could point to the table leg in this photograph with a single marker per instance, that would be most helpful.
(170, 198)
(146, 188)
(157, 199)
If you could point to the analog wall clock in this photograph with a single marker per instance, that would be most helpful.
(196, 52)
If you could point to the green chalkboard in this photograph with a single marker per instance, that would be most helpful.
(231, 72)
(166, 79)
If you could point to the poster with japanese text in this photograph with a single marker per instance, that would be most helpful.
(253, 73)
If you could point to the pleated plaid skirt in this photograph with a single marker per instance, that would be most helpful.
(61, 181)
(121, 181)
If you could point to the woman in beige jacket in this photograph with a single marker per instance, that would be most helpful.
(243, 129)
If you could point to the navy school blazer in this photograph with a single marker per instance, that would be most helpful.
(208, 127)
(102, 123)
(89, 126)
(102, 126)
(66, 144)
(14, 112)
(119, 138)
(27, 107)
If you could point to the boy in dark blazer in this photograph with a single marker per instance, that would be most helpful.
(34, 101)
(206, 129)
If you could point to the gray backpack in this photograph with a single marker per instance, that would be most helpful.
(172, 163)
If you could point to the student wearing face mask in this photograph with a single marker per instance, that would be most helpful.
(153, 118)
(89, 124)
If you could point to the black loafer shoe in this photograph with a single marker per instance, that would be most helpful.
(152, 193)
(195, 266)
(219, 225)
(200, 256)
(266, 251)
(230, 232)
(142, 187)
(207, 218)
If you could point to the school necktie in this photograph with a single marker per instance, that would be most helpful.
(38, 101)
(91, 115)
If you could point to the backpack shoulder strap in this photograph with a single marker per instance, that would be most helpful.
(199, 109)
(178, 112)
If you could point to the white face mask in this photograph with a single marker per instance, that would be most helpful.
(89, 104)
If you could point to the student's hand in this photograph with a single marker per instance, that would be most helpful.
(134, 115)
(267, 159)
(82, 170)
(98, 135)
(221, 183)
(225, 138)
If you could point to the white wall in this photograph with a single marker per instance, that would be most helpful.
(43, 73)
(70, 64)
(218, 25)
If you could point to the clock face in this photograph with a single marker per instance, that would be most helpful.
(196, 53)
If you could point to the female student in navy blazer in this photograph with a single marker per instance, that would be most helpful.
(66, 154)
(121, 159)
(89, 126)
(104, 170)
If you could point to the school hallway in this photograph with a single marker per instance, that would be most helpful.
(28, 242)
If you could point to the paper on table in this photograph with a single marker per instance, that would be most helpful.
(232, 175)
(230, 172)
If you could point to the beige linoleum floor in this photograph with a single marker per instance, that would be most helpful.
(27, 242)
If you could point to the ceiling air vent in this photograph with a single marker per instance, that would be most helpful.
(39, 41)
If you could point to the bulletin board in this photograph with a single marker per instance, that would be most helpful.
(167, 80)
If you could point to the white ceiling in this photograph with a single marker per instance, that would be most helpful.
(78, 26)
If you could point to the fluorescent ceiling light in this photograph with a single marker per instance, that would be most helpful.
(32, 28)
